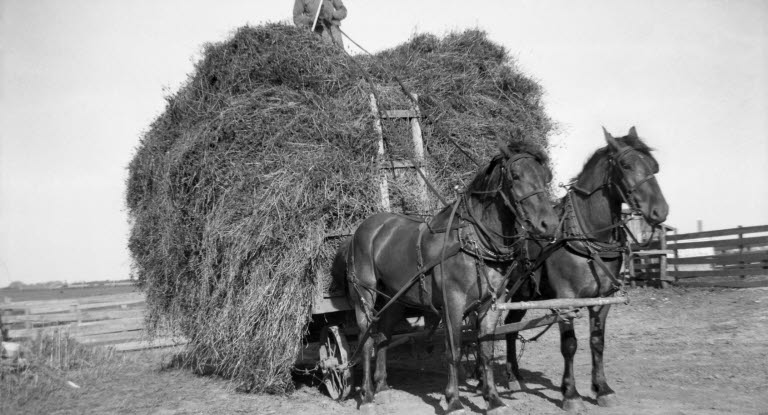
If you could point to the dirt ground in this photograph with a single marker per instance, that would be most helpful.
(693, 351)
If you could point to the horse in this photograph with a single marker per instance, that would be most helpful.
(457, 261)
(585, 263)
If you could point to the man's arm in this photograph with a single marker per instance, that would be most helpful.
(340, 11)
(300, 17)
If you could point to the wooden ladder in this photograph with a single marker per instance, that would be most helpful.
(388, 166)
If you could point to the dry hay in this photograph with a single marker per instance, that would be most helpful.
(270, 146)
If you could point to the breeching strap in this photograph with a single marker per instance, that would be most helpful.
(448, 327)
(445, 254)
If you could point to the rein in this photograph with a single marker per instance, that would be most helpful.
(593, 248)
(469, 246)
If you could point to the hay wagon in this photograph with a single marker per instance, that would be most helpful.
(330, 344)
(243, 186)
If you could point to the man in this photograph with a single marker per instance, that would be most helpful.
(331, 15)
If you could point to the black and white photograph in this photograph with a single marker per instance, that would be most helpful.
(401, 207)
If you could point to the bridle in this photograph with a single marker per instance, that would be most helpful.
(512, 202)
(624, 188)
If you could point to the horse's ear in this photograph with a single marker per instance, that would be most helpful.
(610, 140)
(633, 132)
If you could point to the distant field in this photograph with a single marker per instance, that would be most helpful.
(61, 294)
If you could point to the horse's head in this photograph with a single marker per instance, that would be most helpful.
(524, 181)
(632, 172)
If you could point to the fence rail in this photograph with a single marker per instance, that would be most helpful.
(116, 320)
(734, 257)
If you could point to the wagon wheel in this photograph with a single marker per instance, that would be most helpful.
(334, 363)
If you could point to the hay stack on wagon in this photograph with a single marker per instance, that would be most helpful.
(268, 148)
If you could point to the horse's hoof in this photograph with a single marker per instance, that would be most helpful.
(385, 396)
(608, 401)
(574, 406)
(514, 386)
(499, 410)
(368, 409)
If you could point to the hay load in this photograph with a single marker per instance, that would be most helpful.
(268, 147)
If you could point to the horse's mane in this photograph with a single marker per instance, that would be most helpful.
(603, 152)
(488, 178)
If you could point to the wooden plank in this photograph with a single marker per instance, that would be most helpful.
(648, 266)
(653, 276)
(722, 243)
(72, 317)
(720, 232)
(653, 252)
(81, 300)
(758, 265)
(150, 344)
(718, 273)
(329, 305)
(120, 337)
(398, 164)
(562, 303)
(107, 326)
(84, 329)
(58, 306)
(399, 114)
(383, 183)
(723, 259)
(724, 284)
(46, 309)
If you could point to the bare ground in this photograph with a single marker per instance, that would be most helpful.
(694, 351)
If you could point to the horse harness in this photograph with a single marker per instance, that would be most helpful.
(482, 249)
(571, 231)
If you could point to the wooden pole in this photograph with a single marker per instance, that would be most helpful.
(418, 151)
(741, 250)
(663, 257)
(317, 15)
(562, 303)
(383, 184)
(27, 323)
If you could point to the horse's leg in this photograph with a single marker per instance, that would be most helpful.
(486, 328)
(605, 395)
(571, 399)
(512, 368)
(455, 314)
(366, 403)
(431, 320)
(386, 325)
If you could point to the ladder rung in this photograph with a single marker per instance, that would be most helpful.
(400, 114)
(398, 164)
(650, 252)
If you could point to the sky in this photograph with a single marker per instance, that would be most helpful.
(80, 80)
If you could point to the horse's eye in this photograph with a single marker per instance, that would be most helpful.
(624, 165)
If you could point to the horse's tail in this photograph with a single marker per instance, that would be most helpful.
(339, 266)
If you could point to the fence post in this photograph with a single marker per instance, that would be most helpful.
(76, 311)
(741, 251)
(27, 323)
(631, 271)
(663, 257)
(676, 254)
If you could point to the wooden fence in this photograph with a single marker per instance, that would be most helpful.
(116, 320)
(736, 257)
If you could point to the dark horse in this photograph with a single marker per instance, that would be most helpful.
(591, 225)
(458, 261)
